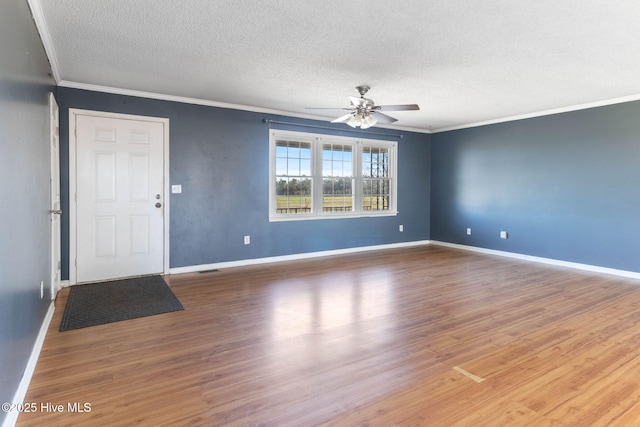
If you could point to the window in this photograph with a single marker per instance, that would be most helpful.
(337, 178)
(376, 180)
(293, 169)
(322, 176)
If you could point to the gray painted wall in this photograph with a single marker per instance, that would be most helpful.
(565, 186)
(220, 157)
(24, 193)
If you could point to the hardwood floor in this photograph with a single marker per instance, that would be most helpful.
(426, 336)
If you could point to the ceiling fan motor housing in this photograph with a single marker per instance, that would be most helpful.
(362, 89)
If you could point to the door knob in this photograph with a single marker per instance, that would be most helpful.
(158, 205)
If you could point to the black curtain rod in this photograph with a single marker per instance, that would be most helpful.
(269, 121)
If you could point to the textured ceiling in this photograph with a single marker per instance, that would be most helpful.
(462, 61)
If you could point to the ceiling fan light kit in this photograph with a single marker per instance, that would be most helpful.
(363, 112)
(363, 121)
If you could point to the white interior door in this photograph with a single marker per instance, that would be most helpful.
(54, 136)
(119, 199)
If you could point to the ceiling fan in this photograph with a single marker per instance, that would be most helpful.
(364, 113)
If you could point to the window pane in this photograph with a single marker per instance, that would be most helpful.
(347, 169)
(327, 168)
(337, 160)
(375, 162)
(366, 161)
(294, 150)
(337, 195)
(305, 150)
(375, 194)
(305, 167)
(337, 153)
(293, 167)
(281, 166)
(293, 196)
(281, 149)
(326, 152)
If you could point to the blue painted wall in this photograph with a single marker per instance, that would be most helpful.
(24, 193)
(565, 186)
(221, 159)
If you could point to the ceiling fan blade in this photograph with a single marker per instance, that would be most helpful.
(383, 118)
(403, 107)
(342, 119)
(327, 108)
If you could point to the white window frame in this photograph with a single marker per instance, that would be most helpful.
(317, 140)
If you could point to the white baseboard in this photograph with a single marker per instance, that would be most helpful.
(255, 261)
(550, 261)
(12, 417)
(294, 257)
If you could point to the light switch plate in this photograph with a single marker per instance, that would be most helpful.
(176, 188)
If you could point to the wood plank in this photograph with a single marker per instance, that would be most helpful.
(362, 339)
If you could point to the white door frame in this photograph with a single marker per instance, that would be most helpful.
(55, 212)
(73, 144)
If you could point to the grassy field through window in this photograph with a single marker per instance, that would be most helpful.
(302, 204)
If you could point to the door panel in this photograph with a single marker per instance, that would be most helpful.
(105, 176)
(120, 179)
(140, 234)
(139, 177)
(105, 236)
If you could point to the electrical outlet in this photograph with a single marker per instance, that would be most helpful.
(504, 235)
(401, 228)
(41, 289)
(247, 240)
(468, 232)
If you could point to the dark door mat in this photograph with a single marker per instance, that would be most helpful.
(107, 302)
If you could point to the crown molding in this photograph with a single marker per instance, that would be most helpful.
(205, 102)
(45, 36)
(585, 106)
